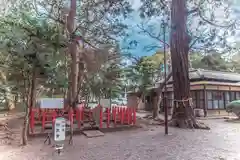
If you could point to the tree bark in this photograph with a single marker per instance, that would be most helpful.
(73, 52)
(183, 115)
(157, 99)
(31, 103)
(75, 60)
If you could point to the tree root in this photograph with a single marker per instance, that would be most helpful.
(4, 125)
(191, 124)
(7, 137)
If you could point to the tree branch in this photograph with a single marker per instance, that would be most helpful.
(230, 24)
(151, 47)
(194, 42)
(152, 35)
(195, 10)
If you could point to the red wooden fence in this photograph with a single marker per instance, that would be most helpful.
(118, 115)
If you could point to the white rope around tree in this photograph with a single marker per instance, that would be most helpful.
(189, 100)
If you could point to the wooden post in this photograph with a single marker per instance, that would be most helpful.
(43, 119)
(100, 118)
(205, 100)
(134, 116)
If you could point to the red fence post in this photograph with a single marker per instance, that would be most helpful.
(108, 117)
(128, 116)
(115, 116)
(100, 117)
(78, 117)
(32, 120)
(54, 114)
(82, 113)
(39, 114)
(119, 113)
(122, 115)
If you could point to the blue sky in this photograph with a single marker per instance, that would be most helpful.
(141, 38)
(133, 31)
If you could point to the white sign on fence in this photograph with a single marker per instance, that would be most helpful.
(51, 103)
(105, 103)
(59, 129)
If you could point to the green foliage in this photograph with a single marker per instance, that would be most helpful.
(34, 34)
(215, 61)
(144, 73)
(234, 107)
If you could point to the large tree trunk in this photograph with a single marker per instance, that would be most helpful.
(75, 59)
(73, 52)
(31, 103)
(183, 115)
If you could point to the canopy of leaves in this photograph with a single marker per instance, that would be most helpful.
(33, 33)
(145, 72)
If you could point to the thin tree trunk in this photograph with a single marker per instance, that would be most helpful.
(73, 51)
(75, 59)
(158, 98)
(183, 115)
(31, 103)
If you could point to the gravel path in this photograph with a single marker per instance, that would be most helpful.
(222, 142)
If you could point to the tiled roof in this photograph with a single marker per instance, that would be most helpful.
(202, 74)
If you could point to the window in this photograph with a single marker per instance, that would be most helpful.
(227, 98)
(237, 95)
(217, 96)
(201, 99)
(202, 104)
(215, 104)
(232, 96)
(209, 100)
(209, 105)
(221, 104)
(209, 95)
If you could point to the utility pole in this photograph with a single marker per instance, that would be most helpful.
(165, 77)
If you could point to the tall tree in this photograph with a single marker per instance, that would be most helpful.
(183, 112)
(186, 35)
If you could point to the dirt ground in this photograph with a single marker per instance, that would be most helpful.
(222, 142)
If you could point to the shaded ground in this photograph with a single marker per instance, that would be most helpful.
(220, 143)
